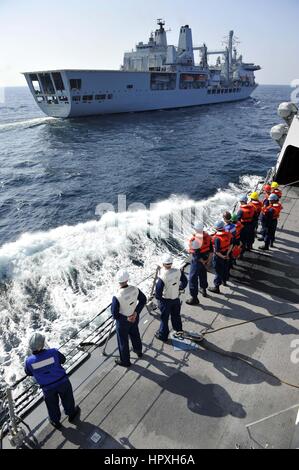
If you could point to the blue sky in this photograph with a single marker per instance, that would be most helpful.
(36, 34)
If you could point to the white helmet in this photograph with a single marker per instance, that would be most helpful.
(37, 342)
(198, 226)
(122, 276)
(167, 259)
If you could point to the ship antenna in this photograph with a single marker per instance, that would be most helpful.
(161, 23)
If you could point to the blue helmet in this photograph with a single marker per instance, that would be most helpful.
(220, 225)
(244, 198)
(273, 198)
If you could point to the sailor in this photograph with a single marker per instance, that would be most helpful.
(45, 365)
(237, 249)
(223, 245)
(126, 307)
(201, 249)
(270, 218)
(257, 205)
(246, 216)
(230, 227)
(170, 282)
(267, 193)
(275, 190)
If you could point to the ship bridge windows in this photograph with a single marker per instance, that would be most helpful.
(47, 84)
(64, 99)
(100, 97)
(75, 84)
(52, 99)
(35, 83)
(58, 82)
(87, 98)
(163, 81)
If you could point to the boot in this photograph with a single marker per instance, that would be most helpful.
(214, 290)
(264, 248)
(204, 293)
(192, 301)
(75, 414)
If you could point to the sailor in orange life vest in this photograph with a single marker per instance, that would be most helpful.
(257, 205)
(170, 282)
(237, 249)
(267, 193)
(223, 245)
(45, 365)
(246, 216)
(126, 307)
(231, 228)
(270, 217)
(201, 249)
(275, 190)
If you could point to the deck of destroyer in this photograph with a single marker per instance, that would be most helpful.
(203, 397)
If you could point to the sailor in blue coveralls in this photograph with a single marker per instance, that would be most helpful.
(168, 287)
(45, 365)
(201, 249)
(127, 305)
(223, 245)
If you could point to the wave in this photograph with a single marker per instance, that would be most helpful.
(27, 124)
(55, 281)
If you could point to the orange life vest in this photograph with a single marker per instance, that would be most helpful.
(225, 240)
(204, 243)
(277, 210)
(236, 252)
(257, 205)
(239, 228)
(248, 214)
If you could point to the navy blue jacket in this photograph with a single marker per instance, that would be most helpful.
(45, 366)
(267, 219)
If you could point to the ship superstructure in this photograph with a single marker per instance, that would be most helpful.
(153, 76)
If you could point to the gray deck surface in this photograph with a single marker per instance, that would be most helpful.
(203, 398)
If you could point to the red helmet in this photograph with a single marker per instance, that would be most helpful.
(267, 188)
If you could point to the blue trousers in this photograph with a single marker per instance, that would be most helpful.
(172, 309)
(63, 391)
(197, 272)
(221, 267)
(124, 331)
(270, 232)
(248, 235)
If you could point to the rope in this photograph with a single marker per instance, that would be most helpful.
(254, 320)
(236, 356)
(241, 359)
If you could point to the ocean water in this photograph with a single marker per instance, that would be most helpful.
(57, 257)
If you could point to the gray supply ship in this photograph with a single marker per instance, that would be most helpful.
(154, 76)
(238, 388)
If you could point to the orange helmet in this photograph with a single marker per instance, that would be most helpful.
(267, 188)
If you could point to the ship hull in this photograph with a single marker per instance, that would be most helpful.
(125, 92)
